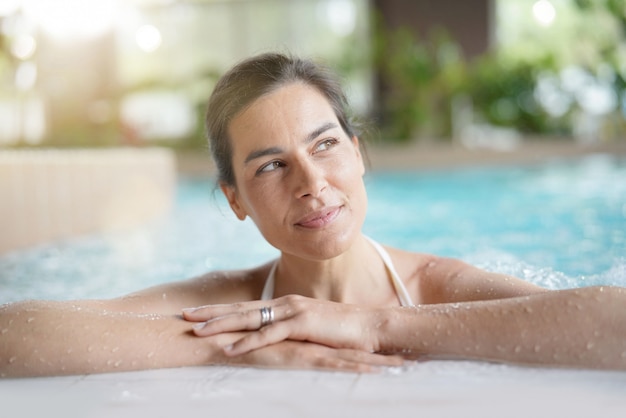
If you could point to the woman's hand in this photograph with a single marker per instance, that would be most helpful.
(295, 318)
(306, 355)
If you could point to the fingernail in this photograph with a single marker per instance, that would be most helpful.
(189, 310)
(199, 325)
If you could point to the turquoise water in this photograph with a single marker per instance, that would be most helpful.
(561, 224)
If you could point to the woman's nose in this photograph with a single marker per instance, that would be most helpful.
(310, 179)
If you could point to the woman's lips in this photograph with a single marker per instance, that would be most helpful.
(319, 219)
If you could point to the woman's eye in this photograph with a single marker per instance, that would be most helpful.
(271, 166)
(326, 144)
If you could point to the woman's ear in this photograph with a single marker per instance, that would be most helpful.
(233, 200)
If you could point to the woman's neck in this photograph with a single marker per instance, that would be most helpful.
(356, 276)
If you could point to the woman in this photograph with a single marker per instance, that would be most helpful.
(289, 158)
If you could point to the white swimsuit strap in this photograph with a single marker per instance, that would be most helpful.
(268, 289)
(403, 294)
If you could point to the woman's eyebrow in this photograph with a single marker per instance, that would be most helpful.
(277, 150)
(262, 153)
(325, 127)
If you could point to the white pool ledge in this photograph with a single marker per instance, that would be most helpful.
(53, 194)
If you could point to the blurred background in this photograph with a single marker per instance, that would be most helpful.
(101, 127)
(482, 73)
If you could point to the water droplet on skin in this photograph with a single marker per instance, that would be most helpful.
(151, 354)
(29, 320)
(590, 345)
(118, 363)
(115, 350)
(518, 348)
(90, 349)
(4, 331)
(164, 296)
(12, 360)
(537, 348)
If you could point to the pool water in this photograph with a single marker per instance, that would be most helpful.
(561, 224)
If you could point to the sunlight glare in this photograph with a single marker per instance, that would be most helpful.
(72, 19)
(8, 7)
(23, 47)
(340, 16)
(148, 38)
(544, 12)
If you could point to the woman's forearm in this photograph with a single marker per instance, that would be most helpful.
(53, 338)
(580, 327)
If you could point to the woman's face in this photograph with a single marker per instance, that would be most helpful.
(297, 173)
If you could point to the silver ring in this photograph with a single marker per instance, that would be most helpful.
(267, 316)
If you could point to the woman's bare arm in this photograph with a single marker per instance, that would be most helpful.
(40, 338)
(583, 327)
(46, 338)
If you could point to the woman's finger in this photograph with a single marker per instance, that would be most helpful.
(250, 320)
(266, 336)
(208, 312)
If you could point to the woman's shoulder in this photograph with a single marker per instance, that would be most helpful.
(220, 286)
(424, 274)
(226, 286)
(411, 262)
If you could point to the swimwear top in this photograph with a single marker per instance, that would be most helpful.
(403, 294)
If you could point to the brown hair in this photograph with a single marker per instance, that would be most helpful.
(253, 78)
